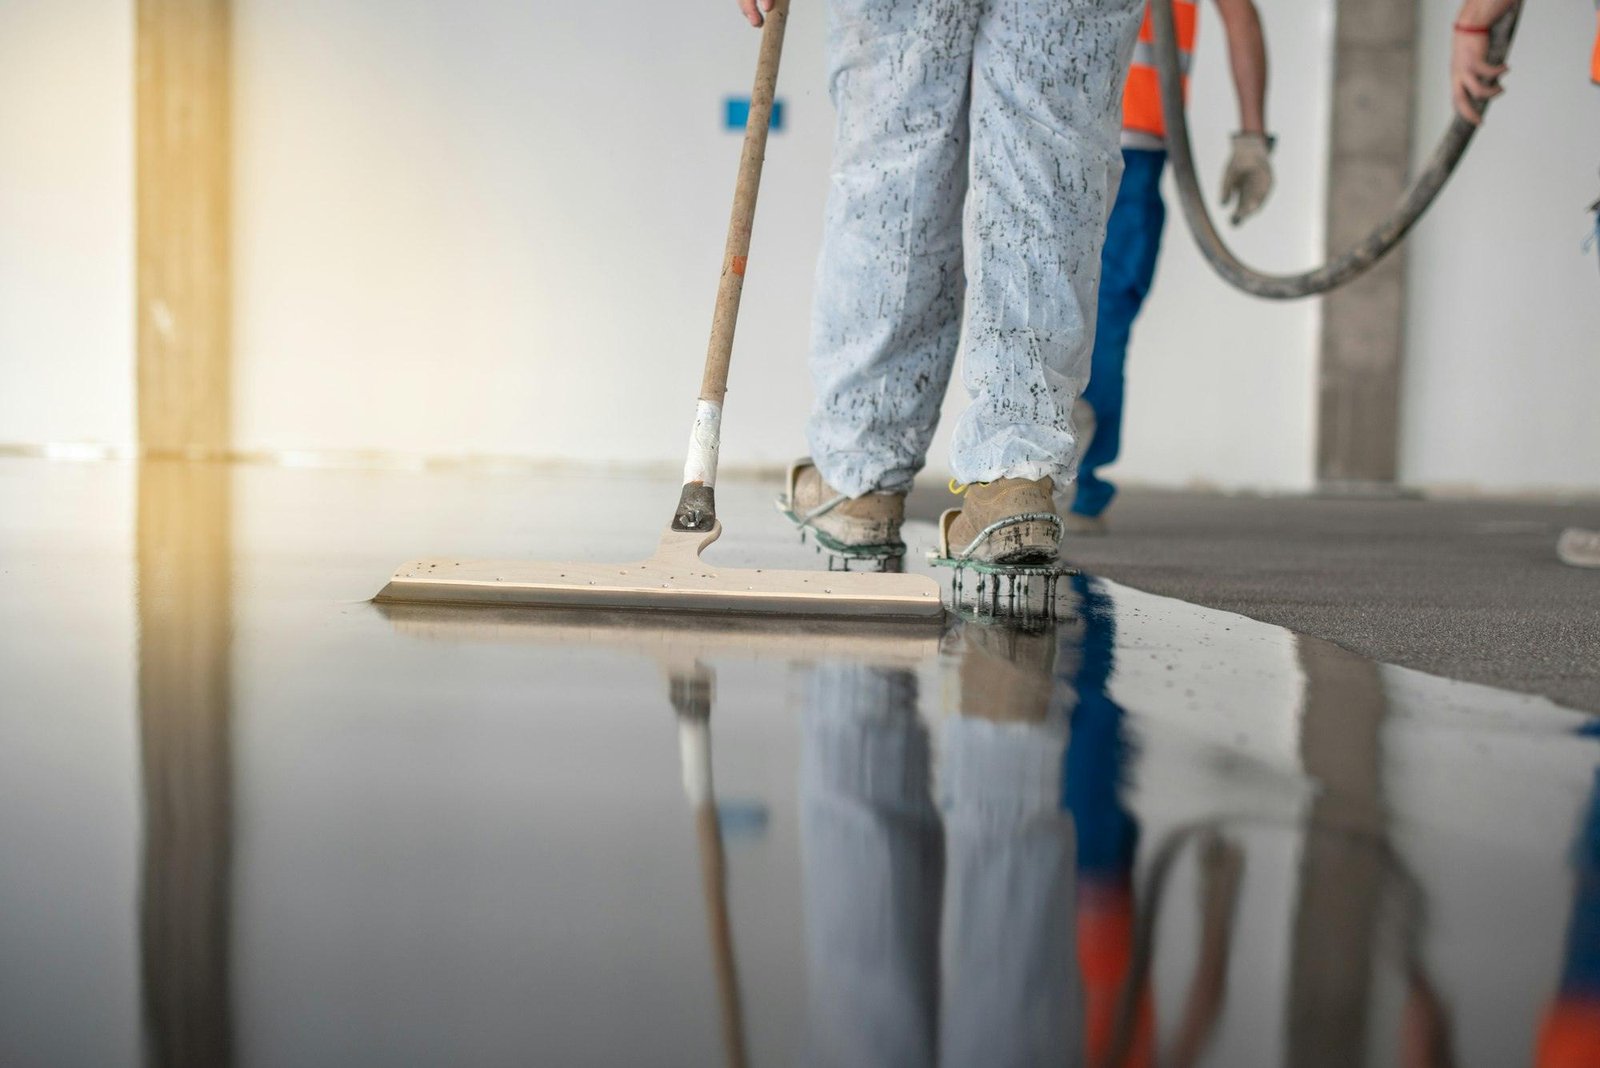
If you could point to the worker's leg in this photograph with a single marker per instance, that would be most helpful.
(873, 862)
(887, 316)
(1011, 992)
(1045, 159)
(1127, 265)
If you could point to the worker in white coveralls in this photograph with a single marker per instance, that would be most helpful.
(1133, 236)
(975, 157)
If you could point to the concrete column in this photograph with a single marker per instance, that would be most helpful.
(184, 285)
(1344, 870)
(1363, 324)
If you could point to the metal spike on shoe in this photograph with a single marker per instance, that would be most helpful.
(1018, 584)
(1020, 592)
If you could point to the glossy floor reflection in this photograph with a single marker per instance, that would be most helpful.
(249, 818)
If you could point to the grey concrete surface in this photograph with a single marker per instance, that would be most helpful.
(1470, 589)
(250, 817)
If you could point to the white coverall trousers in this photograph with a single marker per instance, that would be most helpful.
(935, 935)
(976, 158)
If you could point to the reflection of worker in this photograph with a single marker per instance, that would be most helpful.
(938, 931)
(1094, 778)
(1570, 1034)
(1474, 81)
(943, 922)
(1119, 1023)
(975, 154)
(1133, 237)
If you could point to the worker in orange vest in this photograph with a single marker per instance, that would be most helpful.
(1474, 81)
(1133, 235)
(1569, 1036)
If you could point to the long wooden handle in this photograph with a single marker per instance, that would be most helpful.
(697, 508)
(714, 386)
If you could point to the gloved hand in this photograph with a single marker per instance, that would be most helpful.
(1249, 175)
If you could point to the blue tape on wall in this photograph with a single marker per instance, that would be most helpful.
(736, 113)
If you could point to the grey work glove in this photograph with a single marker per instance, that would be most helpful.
(1248, 180)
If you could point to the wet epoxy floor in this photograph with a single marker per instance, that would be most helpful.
(248, 817)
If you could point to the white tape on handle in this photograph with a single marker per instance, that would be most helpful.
(694, 751)
(704, 441)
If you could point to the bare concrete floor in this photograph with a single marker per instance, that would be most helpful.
(247, 816)
(1466, 589)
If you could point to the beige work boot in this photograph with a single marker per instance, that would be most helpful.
(1009, 521)
(842, 523)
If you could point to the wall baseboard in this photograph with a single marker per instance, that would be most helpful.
(383, 460)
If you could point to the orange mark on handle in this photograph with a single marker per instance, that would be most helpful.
(739, 264)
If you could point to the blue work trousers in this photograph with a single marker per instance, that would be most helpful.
(1127, 266)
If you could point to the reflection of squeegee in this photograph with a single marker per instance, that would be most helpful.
(693, 689)
(676, 579)
(669, 639)
(679, 644)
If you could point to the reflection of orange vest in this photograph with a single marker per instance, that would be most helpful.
(1141, 103)
(1105, 957)
(1570, 1037)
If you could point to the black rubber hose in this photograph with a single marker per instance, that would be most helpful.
(1383, 237)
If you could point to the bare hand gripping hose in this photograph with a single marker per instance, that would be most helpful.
(1383, 237)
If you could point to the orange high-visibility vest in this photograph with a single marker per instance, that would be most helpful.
(1141, 102)
(1594, 60)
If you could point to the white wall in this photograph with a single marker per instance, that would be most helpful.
(496, 228)
(66, 221)
(1503, 368)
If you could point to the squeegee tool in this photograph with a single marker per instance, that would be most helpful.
(675, 578)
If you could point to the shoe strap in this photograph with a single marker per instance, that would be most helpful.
(821, 510)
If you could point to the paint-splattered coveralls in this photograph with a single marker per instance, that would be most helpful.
(975, 158)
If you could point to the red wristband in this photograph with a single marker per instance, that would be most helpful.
(1476, 31)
